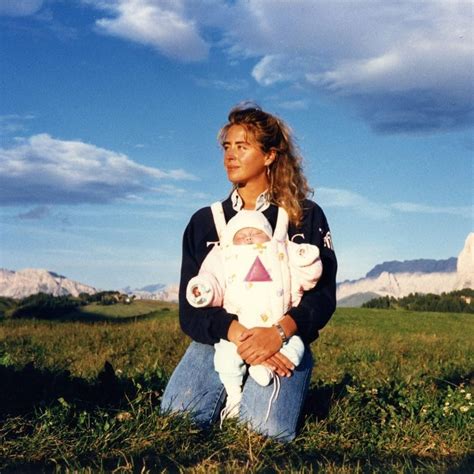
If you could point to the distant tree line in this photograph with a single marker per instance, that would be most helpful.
(45, 306)
(107, 298)
(460, 301)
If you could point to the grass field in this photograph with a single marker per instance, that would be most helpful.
(391, 392)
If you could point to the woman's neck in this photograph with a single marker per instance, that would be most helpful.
(250, 193)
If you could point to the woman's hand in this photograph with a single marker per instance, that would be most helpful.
(262, 345)
(280, 364)
(256, 345)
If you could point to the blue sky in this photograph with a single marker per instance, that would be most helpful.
(109, 112)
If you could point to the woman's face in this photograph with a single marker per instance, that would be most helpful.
(243, 160)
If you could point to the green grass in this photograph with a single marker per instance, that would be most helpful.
(391, 392)
(143, 309)
(137, 308)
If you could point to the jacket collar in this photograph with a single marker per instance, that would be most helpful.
(261, 204)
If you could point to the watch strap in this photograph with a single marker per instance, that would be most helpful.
(281, 332)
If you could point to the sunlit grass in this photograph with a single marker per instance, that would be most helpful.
(391, 392)
(137, 308)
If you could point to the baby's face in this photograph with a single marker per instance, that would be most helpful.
(250, 235)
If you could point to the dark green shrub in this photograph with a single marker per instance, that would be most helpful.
(6, 305)
(44, 306)
(461, 301)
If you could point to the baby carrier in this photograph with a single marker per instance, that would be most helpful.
(254, 280)
(255, 277)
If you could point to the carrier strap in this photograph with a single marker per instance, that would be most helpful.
(219, 219)
(281, 228)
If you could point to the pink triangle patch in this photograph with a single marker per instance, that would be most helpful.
(258, 272)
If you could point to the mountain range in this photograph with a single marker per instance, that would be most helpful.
(399, 279)
(392, 278)
(35, 280)
(414, 266)
(29, 281)
(155, 292)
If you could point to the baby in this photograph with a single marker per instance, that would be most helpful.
(257, 276)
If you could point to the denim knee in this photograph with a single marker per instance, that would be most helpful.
(194, 386)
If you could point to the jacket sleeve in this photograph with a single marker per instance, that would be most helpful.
(205, 325)
(318, 304)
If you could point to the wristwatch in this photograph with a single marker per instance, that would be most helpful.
(281, 332)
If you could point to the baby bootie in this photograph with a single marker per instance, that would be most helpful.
(232, 404)
(261, 374)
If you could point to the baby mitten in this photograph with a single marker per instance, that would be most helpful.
(305, 267)
(302, 255)
(204, 290)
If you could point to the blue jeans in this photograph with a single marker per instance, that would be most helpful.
(195, 387)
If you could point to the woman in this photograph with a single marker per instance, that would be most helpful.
(265, 170)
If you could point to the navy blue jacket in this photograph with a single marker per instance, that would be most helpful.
(208, 325)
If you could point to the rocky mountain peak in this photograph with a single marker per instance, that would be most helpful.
(422, 265)
(465, 267)
(29, 281)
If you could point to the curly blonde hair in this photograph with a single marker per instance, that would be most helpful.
(288, 186)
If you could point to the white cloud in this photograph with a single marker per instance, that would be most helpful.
(343, 198)
(45, 170)
(169, 190)
(20, 7)
(227, 85)
(405, 67)
(274, 68)
(293, 104)
(332, 197)
(409, 207)
(185, 195)
(163, 25)
(14, 123)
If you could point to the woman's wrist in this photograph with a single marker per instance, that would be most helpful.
(286, 325)
(235, 331)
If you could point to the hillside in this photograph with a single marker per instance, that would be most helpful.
(356, 300)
